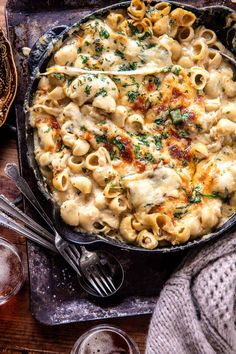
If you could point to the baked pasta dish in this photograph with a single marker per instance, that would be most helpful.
(135, 124)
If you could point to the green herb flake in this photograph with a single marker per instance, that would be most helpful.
(149, 157)
(159, 121)
(88, 89)
(83, 128)
(118, 143)
(132, 95)
(128, 67)
(84, 59)
(100, 138)
(104, 34)
(59, 76)
(118, 53)
(102, 92)
(157, 142)
(47, 130)
(143, 139)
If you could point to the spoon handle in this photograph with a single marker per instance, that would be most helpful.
(11, 224)
(11, 210)
(11, 171)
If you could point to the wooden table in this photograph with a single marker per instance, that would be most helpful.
(19, 331)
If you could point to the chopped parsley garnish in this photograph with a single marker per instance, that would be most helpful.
(116, 79)
(150, 45)
(118, 143)
(98, 46)
(83, 128)
(159, 121)
(128, 67)
(118, 53)
(104, 33)
(132, 95)
(79, 50)
(88, 90)
(196, 197)
(177, 117)
(198, 126)
(133, 29)
(149, 157)
(84, 59)
(47, 130)
(136, 151)
(100, 138)
(113, 155)
(143, 139)
(184, 133)
(224, 198)
(85, 170)
(184, 163)
(180, 214)
(176, 70)
(158, 142)
(59, 76)
(102, 92)
(157, 82)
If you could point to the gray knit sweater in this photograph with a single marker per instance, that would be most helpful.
(196, 310)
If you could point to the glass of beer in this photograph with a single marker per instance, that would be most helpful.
(11, 271)
(105, 339)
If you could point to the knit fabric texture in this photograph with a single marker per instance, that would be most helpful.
(196, 310)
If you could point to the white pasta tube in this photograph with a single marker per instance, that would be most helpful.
(147, 240)
(75, 163)
(114, 20)
(80, 147)
(185, 34)
(126, 229)
(83, 184)
(198, 77)
(183, 17)
(134, 123)
(61, 181)
(200, 50)
(136, 10)
(119, 116)
(229, 111)
(214, 59)
(119, 204)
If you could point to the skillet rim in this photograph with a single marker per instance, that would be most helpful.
(43, 188)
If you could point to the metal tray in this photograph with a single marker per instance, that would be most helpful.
(55, 294)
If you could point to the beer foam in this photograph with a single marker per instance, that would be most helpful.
(4, 267)
(101, 342)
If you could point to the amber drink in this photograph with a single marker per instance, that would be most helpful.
(11, 270)
(105, 339)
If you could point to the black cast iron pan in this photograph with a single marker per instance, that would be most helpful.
(213, 17)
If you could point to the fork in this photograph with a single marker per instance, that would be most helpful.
(87, 264)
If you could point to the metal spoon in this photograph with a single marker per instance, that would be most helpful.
(102, 274)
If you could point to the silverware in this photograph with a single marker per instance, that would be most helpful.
(92, 267)
(10, 215)
(35, 233)
(229, 58)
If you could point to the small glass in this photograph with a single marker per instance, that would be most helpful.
(11, 271)
(105, 339)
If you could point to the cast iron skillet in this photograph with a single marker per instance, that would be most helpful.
(212, 17)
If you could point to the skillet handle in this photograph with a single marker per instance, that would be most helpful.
(41, 46)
